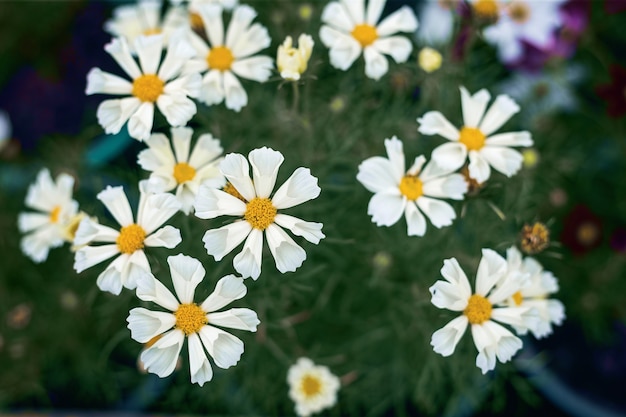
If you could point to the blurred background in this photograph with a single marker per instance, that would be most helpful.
(360, 303)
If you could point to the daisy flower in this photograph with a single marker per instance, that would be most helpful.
(411, 192)
(229, 55)
(179, 169)
(520, 21)
(474, 138)
(350, 30)
(46, 228)
(312, 387)
(493, 286)
(152, 82)
(126, 244)
(144, 18)
(188, 320)
(259, 212)
(535, 294)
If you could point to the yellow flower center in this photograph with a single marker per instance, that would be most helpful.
(486, 9)
(220, 58)
(131, 238)
(364, 34)
(411, 187)
(260, 213)
(195, 21)
(587, 233)
(517, 298)
(472, 138)
(230, 189)
(478, 309)
(152, 31)
(311, 385)
(54, 214)
(184, 172)
(148, 87)
(190, 318)
(535, 238)
(519, 11)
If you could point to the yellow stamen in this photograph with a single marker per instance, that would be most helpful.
(152, 341)
(220, 58)
(260, 213)
(311, 385)
(517, 298)
(148, 88)
(486, 9)
(519, 11)
(190, 318)
(478, 309)
(411, 187)
(152, 31)
(230, 189)
(535, 238)
(54, 214)
(195, 21)
(472, 138)
(587, 233)
(364, 34)
(131, 238)
(184, 172)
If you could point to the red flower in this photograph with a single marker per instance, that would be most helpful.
(582, 230)
(615, 92)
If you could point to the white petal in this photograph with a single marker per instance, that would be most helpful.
(158, 154)
(225, 348)
(438, 212)
(99, 81)
(145, 324)
(187, 273)
(449, 295)
(158, 209)
(166, 237)
(118, 49)
(211, 14)
(227, 290)
(416, 223)
(287, 253)
(356, 9)
(248, 261)
(179, 52)
(478, 167)
(161, 357)
(177, 109)
(376, 64)
(117, 204)
(451, 186)
(236, 97)
(377, 174)
(398, 47)
(237, 171)
(37, 244)
(435, 123)
(344, 49)
(374, 10)
(386, 208)
(89, 231)
(140, 123)
(450, 156)
(88, 256)
(265, 164)
(300, 187)
(486, 344)
(220, 242)
(212, 88)
(500, 111)
(402, 20)
(257, 68)
(207, 150)
(151, 289)
(110, 280)
(505, 160)
(242, 18)
(135, 267)
(187, 85)
(510, 139)
(27, 222)
(474, 106)
(113, 114)
(309, 230)
(337, 16)
(149, 52)
(211, 203)
(235, 318)
(491, 269)
(199, 366)
(444, 340)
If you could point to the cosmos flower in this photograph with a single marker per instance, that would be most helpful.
(436, 21)
(312, 387)
(350, 30)
(188, 320)
(475, 139)
(258, 212)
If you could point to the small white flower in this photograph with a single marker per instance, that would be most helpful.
(152, 82)
(179, 169)
(312, 387)
(292, 62)
(411, 192)
(229, 54)
(144, 18)
(259, 212)
(429, 59)
(479, 310)
(350, 30)
(535, 294)
(46, 228)
(436, 22)
(5, 129)
(474, 138)
(186, 319)
(128, 243)
(522, 21)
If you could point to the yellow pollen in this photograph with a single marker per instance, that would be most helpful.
(195, 21)
(486, 9)
(472, 138)
(411, 187)
(131, 238)
(587, 233)
(152, 31)
(478, 309)
(519, 12)
(535, 238)
(260, 213)
(152, 341)
(230, 189)
(54, 214)
(311, 385)
(517, 298)
(184, 172)
(365, 34)
(220, 58)
(148, 88)
(190, 318)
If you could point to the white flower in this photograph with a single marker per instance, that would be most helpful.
(535, 294)
(436, 22)
(128, 243)
(411, 192)
(259, 212)
(181, 170)
(196, 322)
(5, 129)
(520, 21)
(292, 62)
(479, 310)
(474, 139)
(228, 55)
(312, 387)
(46, 228)
(152, 82)
(144, 18)
(350, 29)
